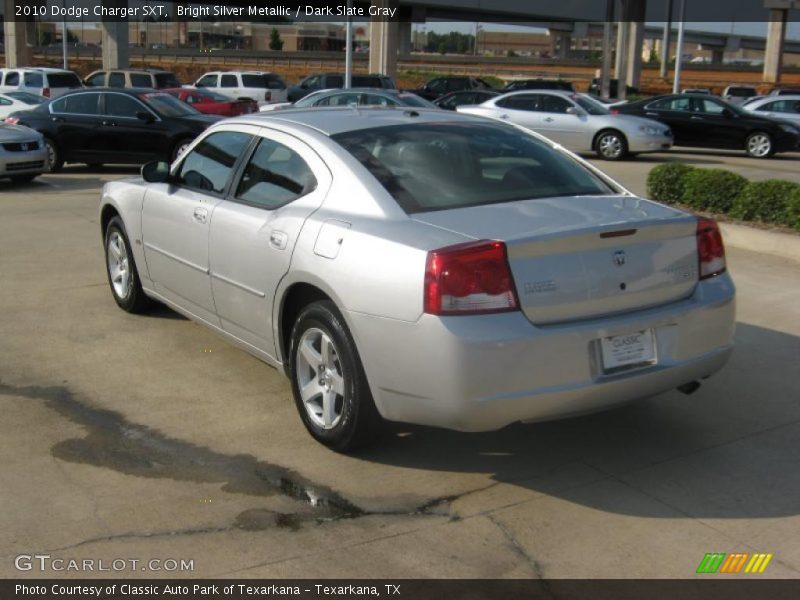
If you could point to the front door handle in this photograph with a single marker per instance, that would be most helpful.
(278, 239)
(200, 215)
(695, 118)
(549, 119)
(56, 119)
(504, 116)
(110, 123)
(651, 114)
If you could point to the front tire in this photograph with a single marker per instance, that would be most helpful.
(759, 145)
(328, 381)
(180, 148)
(54, 159)
(123, 278)
(611, 145)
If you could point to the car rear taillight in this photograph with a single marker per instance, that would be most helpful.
(469, 278)
(46, 92)
(614, 111)
(710, 249)
(12, 120)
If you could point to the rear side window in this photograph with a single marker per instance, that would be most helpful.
(229, 81)
(335, 81)
(34, 80)
(438, 166)
(275, 175)
(79, 104)
(116, 80)
(141, 80)
(272, 82)
(528, 102)
(12, 78)
(63, 80)
(672, 104)
(209, 165)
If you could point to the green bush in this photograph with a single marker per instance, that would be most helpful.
(712, 189)
(768, 201)
(793, 209)
(665, 182)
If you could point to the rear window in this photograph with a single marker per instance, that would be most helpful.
(167, 80)
(362, 81)
(439, 166)
(741, 92)
(63, 80)
(34, 80)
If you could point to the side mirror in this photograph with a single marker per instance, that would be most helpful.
(156, 171)
(574, 110)
(145, 116)
(728, 113)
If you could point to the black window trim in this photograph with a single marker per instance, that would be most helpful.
(239, 173)
(232, 178)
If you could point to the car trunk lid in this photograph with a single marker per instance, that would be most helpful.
(589, 256)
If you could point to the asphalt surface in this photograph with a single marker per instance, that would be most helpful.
(148, 437)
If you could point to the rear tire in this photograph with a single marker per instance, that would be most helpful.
(179, 148)
(759, 145)
(611, 145)
(328, 380)
(123, 277)
(55, 160)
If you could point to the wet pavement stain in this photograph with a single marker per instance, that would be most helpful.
(112, 442)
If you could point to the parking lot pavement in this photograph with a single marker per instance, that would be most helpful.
(633, 173)
(148, 437)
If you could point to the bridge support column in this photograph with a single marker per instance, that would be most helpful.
(115, 39)
(718, 56)
(776, 38)
(404, 37)
(635, 47)
(383, 42)
(19, 52)
(621, 62)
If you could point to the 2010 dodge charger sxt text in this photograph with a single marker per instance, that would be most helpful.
(424, 267)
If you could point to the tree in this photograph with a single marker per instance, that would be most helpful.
(275, 41)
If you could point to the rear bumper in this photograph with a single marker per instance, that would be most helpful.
(481, 373)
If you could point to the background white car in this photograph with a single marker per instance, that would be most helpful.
(23, 154)
(40, 81)
(14, 101)
(261, 86)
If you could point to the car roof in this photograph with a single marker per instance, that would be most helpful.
(765, 99)
(350, 118)
(126, 91)
(38, 69)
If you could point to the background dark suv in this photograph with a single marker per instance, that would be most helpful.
(328, 81)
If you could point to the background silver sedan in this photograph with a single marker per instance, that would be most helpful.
(422, 266)
(354, 97)
(781, 107)
(577, 122)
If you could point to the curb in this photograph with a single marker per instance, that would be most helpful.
(775, 243)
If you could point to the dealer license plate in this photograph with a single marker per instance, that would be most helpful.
(631, 349)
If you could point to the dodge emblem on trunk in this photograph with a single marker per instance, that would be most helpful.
(619, 258)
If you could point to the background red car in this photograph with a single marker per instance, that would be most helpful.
(212, 103)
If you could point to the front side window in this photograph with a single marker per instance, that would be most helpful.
(209, 165)
(275, 175)
(554, 104)
(438, 166)
(119, 105)
(679, 104)
(207, 81)
(167, 106)
(78, 104)
(339, 100)
(781, 106)
(376, 100)
(97, 80)
(710, 107)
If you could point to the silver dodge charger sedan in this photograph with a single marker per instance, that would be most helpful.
(578, 122)
(422, 266)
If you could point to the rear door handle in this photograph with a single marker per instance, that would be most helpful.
(200, 215)
(504, 116)
(549, 119)
(695, 118)
(651, 114)
(278, 239)
(56, 119)
(110, 123)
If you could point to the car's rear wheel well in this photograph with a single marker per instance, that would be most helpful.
(108, 213)
(297, 297)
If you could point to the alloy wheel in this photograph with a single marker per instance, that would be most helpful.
(610, 146)
(759, 145)
(320, 378)
(118, 265)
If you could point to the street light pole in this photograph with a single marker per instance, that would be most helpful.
(676, 85)
(348, 48)
(64, 37)
(608, 29)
